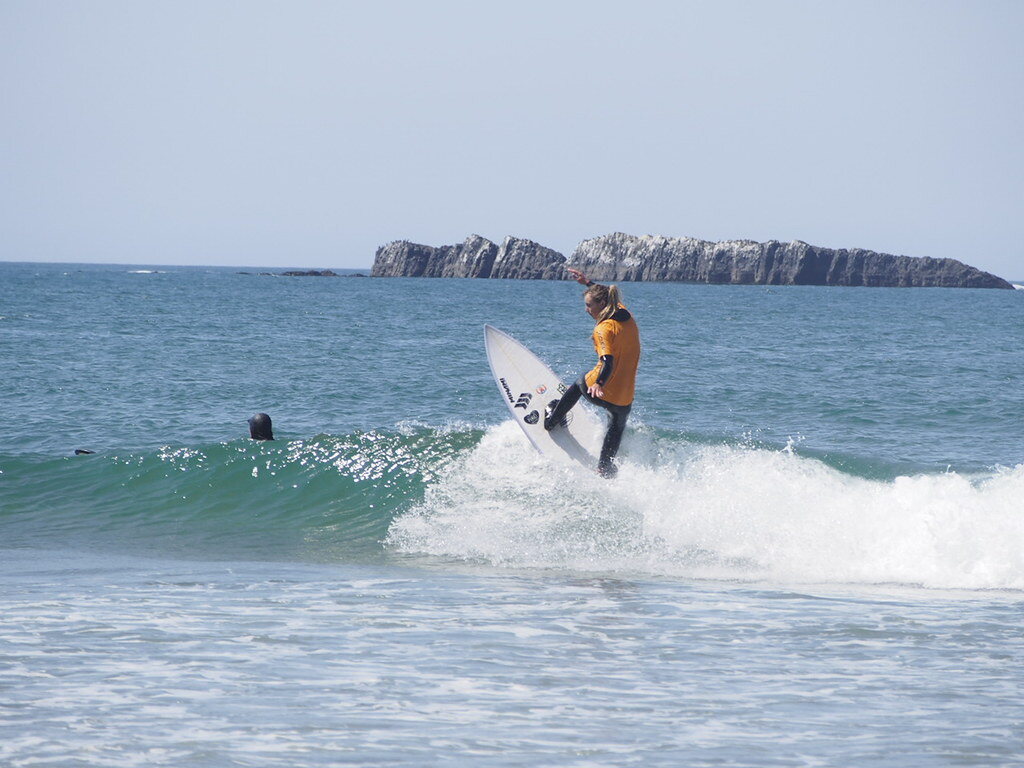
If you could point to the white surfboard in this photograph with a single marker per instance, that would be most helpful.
(527, 385)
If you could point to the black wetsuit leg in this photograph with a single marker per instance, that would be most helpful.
(567, 401)
(617, 417)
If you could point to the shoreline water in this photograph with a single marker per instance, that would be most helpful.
(207, 664)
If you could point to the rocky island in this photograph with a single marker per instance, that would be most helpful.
(476, 257)
(621, 257)
(309, 273)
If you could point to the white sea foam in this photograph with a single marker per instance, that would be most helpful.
(721, 512)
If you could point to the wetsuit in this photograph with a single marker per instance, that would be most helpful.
(617, 343)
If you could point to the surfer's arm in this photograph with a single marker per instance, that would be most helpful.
(579, 276)
(603, 345)
(604, 372)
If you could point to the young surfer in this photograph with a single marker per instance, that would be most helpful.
(611, 382)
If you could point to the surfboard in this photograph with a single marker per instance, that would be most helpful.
(527, 385)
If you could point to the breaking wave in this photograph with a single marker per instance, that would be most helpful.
(680, 507)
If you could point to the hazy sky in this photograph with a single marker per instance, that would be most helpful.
(310, 133)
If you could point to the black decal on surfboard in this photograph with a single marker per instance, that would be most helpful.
(562, 388)
(524, 400)
(532, 417)
(508, 392)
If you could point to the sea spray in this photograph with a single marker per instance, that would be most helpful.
(793, 518)
(717, 511)
(503, 503)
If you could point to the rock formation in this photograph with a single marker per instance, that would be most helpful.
(476, 257)
(619, 257)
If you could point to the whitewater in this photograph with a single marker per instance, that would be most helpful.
(813, 553)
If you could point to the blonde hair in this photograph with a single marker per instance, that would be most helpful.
(608, 295)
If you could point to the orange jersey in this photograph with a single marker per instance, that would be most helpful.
(619, 337)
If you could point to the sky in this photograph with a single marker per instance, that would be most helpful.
(309, 133)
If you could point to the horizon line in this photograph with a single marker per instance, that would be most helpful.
(149, 264)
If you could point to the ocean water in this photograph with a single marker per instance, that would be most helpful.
(813, 554)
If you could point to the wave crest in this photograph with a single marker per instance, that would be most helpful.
(323, 498)
(683, 509)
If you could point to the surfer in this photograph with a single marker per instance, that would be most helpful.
(261, 427)
(611, 382)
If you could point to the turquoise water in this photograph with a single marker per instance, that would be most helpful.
(813, 555)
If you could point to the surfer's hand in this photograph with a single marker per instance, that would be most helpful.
(594, 390)
(580, 277)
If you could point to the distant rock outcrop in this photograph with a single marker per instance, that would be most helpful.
(476, 257)
(619, 257)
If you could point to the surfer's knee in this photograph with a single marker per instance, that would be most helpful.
(261, 427)
(554, 414)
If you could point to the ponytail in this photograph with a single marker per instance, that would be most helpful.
(607, 295)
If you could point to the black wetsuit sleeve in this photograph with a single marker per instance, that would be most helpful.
(607, 364)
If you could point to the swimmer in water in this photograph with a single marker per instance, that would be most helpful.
(260, 427)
